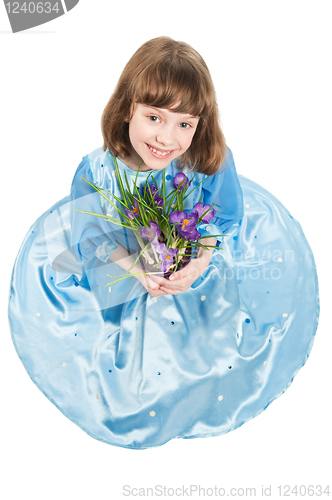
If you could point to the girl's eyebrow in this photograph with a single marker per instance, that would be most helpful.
(162, 110)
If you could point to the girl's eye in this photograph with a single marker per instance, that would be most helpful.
(184, 125)
(153, 118)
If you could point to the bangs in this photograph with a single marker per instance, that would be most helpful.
(174, 84)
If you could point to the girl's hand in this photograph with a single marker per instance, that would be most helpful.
(151, 286)
(183, 279)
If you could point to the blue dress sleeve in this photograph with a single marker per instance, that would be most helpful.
(92, 235)
(223, 189)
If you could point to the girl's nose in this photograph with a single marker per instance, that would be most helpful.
(165, 136)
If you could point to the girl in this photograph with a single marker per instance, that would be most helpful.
(179, 106)
(152, 359)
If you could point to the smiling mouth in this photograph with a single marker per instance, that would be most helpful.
(159, 152)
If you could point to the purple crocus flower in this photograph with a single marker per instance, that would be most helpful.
(178, 179)
(159, 201)
(186, 224)
(134, 210)
(153, 189)
(166, 255)
(151, 233)
(200, 209)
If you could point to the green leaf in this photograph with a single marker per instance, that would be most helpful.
(119, 179)
(106, 198)
(117, 222)
(130, 196)
(117, 199)
(164, 193)
(197, 187)
(212, 236)
(129, 276)
(140, 254)
(136, 176)
(170, 203)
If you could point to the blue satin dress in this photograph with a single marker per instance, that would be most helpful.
(134, 370)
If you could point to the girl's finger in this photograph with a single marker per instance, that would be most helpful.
(170, 291)
(158, 279)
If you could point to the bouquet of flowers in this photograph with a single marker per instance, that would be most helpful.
(166, 234)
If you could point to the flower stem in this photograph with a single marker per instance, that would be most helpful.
(146, 253)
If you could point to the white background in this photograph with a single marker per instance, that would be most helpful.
(270, 62)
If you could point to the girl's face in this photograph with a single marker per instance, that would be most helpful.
(158, 136)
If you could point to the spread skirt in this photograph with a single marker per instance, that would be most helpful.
(136, 371)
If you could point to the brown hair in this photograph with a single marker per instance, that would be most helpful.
(163, 73)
